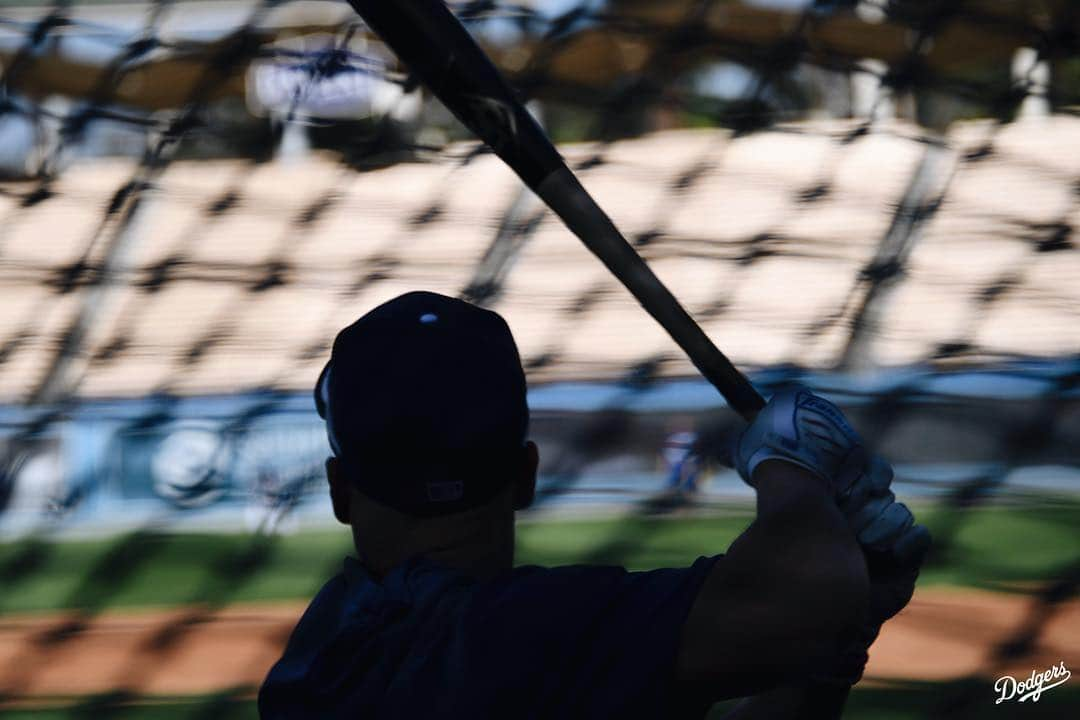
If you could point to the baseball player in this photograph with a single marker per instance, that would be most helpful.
(425, 409)
(683, 462)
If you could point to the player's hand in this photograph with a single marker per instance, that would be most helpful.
(893, 572)
(807, 430)
(864, 497)
(894, 546)
(801, 428)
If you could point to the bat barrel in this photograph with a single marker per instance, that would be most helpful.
(439, 51)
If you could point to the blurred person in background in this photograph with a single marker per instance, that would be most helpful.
(424, 400)
(683, 462)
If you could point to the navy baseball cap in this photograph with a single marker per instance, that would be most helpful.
(424, 402)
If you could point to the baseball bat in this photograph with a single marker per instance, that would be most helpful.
(428, 38)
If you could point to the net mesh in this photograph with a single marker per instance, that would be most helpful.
(197, 196)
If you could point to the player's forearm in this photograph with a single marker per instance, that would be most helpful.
(806, 548)
(799, 527)
(787, 489)
(782, 598)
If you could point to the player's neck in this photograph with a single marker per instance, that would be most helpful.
(478, 542)
(479, 562)
(481, 548)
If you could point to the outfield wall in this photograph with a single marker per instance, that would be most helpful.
(232, 462)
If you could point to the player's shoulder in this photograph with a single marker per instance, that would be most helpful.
(547, 590)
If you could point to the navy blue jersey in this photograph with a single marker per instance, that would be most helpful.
(427, 642)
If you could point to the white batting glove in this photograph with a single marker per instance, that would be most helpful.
(864, 498)
(801, 428)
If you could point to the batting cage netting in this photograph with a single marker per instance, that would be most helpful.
(878, 199)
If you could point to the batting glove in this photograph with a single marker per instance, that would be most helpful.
(864, 498)
(801, 428)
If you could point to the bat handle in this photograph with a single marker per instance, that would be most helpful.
(571, 202)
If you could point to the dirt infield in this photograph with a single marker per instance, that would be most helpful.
(944, 634)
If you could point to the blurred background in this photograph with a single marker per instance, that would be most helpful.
(878, 199)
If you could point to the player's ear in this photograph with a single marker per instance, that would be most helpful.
(525, 483)
(339, 490)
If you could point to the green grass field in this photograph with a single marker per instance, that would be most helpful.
(1000, 548)
(995, 547)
